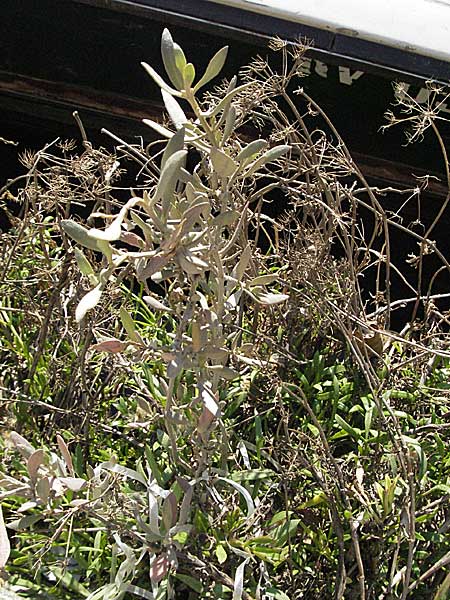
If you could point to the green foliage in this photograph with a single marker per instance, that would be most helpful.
(193, 417)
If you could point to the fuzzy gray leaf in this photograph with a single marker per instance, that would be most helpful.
(175, 111)
(214, 67)
(88, 302)
(168, 56)
(223, 164)
(159, 80)
(79, 234)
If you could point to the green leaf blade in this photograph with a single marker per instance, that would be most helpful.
(214, 67)
(169, 59)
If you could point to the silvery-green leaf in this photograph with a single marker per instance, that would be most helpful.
(223, 164)
(31, 503)
(197, 337)
(105, 592)
(112, 233)
(169, 176)
(121, 470)
(105, 274)
(225, 372)
(22, 445)
(150, 535)
(175, 144)
(83, 264)
(156, 304)
(65, 453)
(111, 345)
(79, 234)
(214, 67)
(175, 366)
(187, 266)
(248, 499)
(75, 484)
(191, 264)
(239, 580)
(230, 122)
(186, 503)
(253, 362)
(169, 511)
(188, 75)
(226, 100)
(175, 111)
(168, 56)
(129, 325)
(211, 410)
(269, 298)
(226, 218)
(198, 184)
(192, 193)
(34, 462)
(185, 176)
(252, 474)
(43, 488)
(269, 156)
(233, 299)
(146, 229)
(232, 84)
(194, 215)
(88, 302)
(152, 266)
(106, 249)
(209, 400)
(214, 353)
(137, 591)
(24, 523)
(23, 490)
(251, 150)
(205, 420)
(263, 279)
(158, 128)
(158, 225)
(180, 58)
(241, 267)
(160, 81)
(153, 514)
(132, 239)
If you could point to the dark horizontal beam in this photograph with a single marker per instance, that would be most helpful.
(118, 105)
(55, 102)
(235, 23)
(399, 175)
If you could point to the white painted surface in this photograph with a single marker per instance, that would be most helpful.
(421, 26)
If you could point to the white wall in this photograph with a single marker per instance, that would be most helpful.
(421, 26)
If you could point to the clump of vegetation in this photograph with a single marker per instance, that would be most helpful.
(198, 401)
